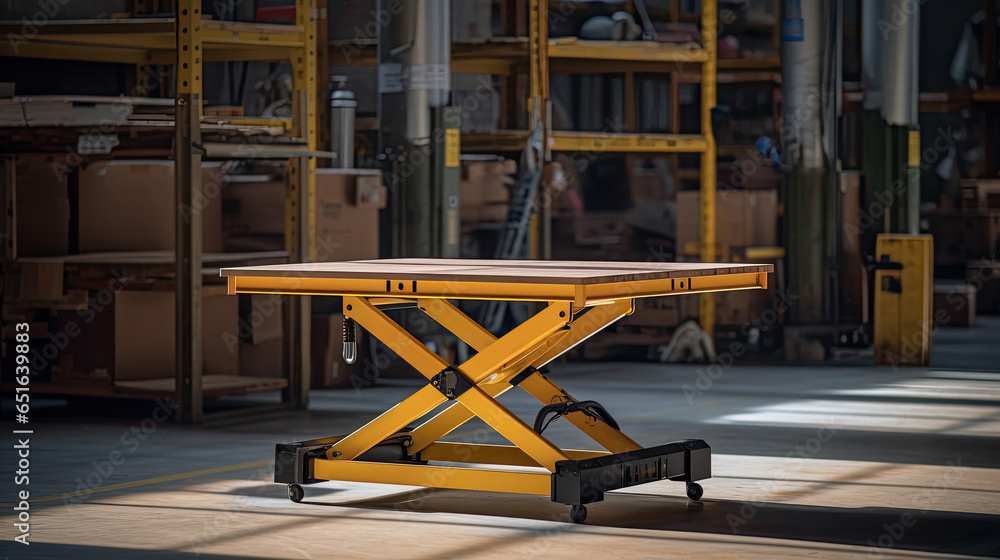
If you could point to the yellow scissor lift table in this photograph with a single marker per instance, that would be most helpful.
(582, 298)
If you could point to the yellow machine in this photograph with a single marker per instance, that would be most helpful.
(582, 298)
(904, 292)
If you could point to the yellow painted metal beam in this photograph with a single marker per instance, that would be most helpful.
(37, 48)
(675, 286)
(377, 288)
(387, 424)
(581, 295)
(493, 454)
(486, 480)
(548, 392)
(628, 142)
(251, 38)
(626, 51)
(458, 323)
(394, 336)
(541, 450)
(596, 142)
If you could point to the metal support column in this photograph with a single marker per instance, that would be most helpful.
(709, 31)
(187, 177)
(540, 246)
(300, 199)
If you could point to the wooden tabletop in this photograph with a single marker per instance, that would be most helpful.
(469, 270)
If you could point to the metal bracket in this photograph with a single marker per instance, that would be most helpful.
(517, 379)
(892, 285)
(885, 264)
(451, 383)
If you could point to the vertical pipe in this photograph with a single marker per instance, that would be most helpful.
(899, 67)
(810, 79)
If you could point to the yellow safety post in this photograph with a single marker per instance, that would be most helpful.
(904, 291)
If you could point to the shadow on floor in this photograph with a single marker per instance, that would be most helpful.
(900, 529)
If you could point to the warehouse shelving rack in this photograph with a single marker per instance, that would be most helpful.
(187, 41)
(539, 56)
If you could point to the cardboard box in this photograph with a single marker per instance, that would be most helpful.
(487, 212)
(253, 204)
(954, 304)
(132, 338)
(748, 172)
(984, 275)
(660, 311)
(741, 307)
(471, 20)
(42, 209)
(980, 195)
(347, 212)
(328, 366)
(261, 318)
(261, 360)
(959, 237)
(651, 180)
(479, 97)
(742, 218)
(128, 205)
(600, 228)
(33, 281)
(485, 188)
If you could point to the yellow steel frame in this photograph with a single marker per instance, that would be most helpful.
(572, 314)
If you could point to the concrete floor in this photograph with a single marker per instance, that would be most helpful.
(820, 461)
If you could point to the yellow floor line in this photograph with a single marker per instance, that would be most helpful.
(157, 480)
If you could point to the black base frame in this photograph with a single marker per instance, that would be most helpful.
(574, 482)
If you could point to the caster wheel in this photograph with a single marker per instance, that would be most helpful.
(296, 493)
(695, 491)
(578, 514)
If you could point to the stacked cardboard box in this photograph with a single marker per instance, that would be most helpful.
(983, 275)
(471, 20)
(660, 312)
(253, 213)
(132, 337)
(347, 213)
(261, 334)
(743, 218)
(980, 195)
(42, 209)
(129, 205)
(485, 188)
(954, 304)
(329, 370)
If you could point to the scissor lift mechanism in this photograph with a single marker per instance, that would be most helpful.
(582, 298)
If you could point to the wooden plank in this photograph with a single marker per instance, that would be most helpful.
(462, 270)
